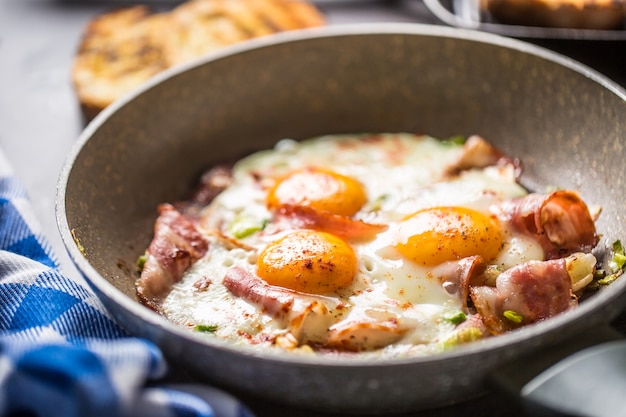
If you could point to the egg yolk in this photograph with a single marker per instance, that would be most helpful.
(308, 261)
(440, 234)
(320, 189)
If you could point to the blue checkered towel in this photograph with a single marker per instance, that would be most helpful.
(61, 354)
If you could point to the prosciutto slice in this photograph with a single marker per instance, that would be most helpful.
(176, 245)
(559, 221)
(456, 276)
(527, 293)
(307, 316)
(478, 153)
(274, 300)
(304, 217)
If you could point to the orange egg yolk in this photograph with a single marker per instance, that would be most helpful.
(440, 234)
(308, 261)
(320, 189)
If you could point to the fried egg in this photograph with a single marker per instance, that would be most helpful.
(373, 277)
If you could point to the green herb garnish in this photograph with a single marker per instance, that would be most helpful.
(469, 334)
(617, 264)
(454, 141)
(619, 258)
(513, 316)
(243, 226)
(141, 261)
(455, 317)
(205, 328)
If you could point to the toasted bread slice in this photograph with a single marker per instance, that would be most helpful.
(119, 51)
(201, 26)
(125, 47)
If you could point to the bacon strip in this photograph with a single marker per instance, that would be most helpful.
(308, 317)
(176, 245)
(455, 276)
(534, 291)
(478, 153)
(304, 217)
(560, 221)
(275, 301)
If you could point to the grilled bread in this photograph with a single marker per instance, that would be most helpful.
(119, 50)
(123, 48)
(204, 25)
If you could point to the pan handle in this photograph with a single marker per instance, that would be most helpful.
(584, 376)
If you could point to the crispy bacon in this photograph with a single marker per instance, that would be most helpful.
(304, 217)
(276, 301)
(308, 316)
(455, 276)
(478, 153)
(176, 245)
(560, 221)
(527, 293)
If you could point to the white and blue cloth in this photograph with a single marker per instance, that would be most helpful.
(61, 354)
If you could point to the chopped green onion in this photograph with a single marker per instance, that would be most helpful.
(243, 226)
(454, 141)
(619, 258)
(205, 328)
(617, 247)
(455, 317)
(513, 316)
(469, 334)
(608, 279)
(617, 264)
(141, 261)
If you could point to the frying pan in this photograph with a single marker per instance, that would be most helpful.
(566, 123)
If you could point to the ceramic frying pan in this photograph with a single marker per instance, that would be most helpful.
(564, 121)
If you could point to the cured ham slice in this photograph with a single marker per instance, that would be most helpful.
(559, 221)
(527, 293)
(478, 153)
(308, 316)
(304, 217)
(274, 300)
(176, 245)
(456, 276)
